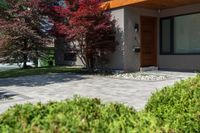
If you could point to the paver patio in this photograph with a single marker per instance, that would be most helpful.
(57, 87)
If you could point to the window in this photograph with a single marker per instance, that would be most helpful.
(166, 36)
(70, 56)
(180, 34)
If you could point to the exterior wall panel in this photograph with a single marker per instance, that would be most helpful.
(116, 59)
(179, 62)
(132, 38)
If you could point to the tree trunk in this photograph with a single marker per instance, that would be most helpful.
(25, 59)
(25, 56)
(35, 61)
(90, 64)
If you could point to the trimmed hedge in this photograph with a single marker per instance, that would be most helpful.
(173, 109)
(177, 108)
(77, 115)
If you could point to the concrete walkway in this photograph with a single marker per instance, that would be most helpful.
(55, 87)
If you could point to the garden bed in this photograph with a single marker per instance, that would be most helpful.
(141, 76)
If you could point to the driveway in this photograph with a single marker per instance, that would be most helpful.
(4, 67)
(55, 87)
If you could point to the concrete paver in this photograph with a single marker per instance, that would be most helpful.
(55, 87)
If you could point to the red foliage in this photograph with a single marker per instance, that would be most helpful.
(87, 25)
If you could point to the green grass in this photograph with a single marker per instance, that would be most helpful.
(37, 71)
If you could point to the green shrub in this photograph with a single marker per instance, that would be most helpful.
(178, 107)
(77, 115)
(48, 59)
(174, 109)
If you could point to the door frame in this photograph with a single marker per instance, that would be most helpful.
(155, 45)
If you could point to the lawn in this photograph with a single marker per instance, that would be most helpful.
(37, 71)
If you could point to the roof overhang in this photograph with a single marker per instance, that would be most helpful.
(119, 3)
(151, 4)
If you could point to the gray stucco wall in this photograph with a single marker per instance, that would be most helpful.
(132, 38)
(124, 58)
(116, 58)
(179, 62)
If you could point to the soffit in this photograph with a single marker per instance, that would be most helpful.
(151, 4)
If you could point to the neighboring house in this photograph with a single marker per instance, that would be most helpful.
(160, 33)
(64, 55)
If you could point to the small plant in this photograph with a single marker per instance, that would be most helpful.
(48, 60)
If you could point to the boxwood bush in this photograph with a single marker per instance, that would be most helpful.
(173, 109)
(77, 115)
(177, 108)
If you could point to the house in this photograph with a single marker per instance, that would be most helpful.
(64, 55)
(164, 34)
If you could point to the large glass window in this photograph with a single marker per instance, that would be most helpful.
(166, 36)
(181, 35)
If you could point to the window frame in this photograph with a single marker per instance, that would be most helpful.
(172, 35)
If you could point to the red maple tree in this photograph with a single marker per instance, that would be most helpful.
(88, 28)
(21, 37)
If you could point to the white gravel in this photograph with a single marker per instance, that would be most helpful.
(141, 76)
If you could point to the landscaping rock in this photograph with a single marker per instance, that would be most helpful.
(140, 76)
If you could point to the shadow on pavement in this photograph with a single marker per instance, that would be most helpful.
(40, 80)
(6, 95)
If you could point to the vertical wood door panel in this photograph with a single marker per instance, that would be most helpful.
(148, 41)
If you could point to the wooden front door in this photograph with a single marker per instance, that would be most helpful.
(148, 41)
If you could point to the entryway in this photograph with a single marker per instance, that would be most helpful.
(148, 41)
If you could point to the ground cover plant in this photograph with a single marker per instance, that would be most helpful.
(174, 109)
